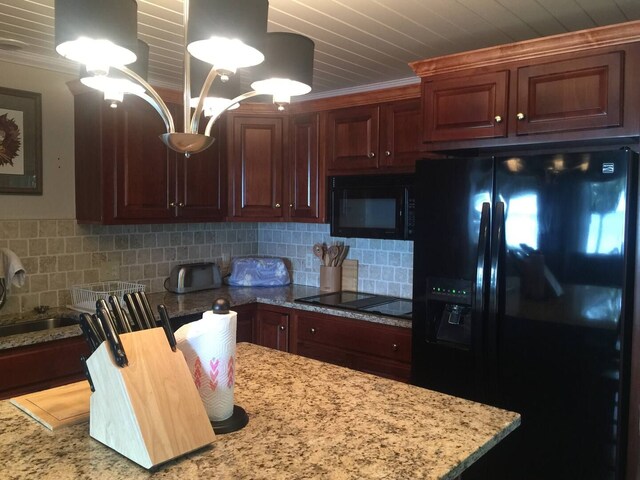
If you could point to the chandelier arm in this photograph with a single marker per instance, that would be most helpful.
(215, 117)
(153, 98)
(186, 91)
(206, 86)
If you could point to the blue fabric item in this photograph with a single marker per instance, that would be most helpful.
(258, 272)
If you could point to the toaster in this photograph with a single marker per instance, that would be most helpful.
(193, 277)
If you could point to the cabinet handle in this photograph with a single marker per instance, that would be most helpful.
(394, 347)
(371, 155)
(172, 204)
(520, 116)
(312, 330)
(387, 153)
(282, 328)
(277, 205)
(498, 119)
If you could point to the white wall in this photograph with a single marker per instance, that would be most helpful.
(58, 191)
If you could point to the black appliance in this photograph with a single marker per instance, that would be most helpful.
(523, 295)
(363, 302)
(372, 206)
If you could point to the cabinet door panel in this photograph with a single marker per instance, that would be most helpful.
(469, 107)
(352, 138)
(583, 93)
(402, 134)
(200, 183)
(144, 165)
(257, 167)
(272, 329)
(304, 168)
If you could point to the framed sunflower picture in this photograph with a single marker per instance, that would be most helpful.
(20, 142)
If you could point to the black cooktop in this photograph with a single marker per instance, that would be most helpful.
(364, 302)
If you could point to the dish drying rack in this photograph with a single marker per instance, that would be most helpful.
(84, 297)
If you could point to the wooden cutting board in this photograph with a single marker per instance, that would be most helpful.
(350, 275)
(57, 407)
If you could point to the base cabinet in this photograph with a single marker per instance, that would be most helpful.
(272, 328)
(41, 366)
(382, 350)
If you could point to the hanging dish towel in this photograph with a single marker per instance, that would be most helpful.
(11, 269)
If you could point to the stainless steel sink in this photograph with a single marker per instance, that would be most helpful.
(36, 326)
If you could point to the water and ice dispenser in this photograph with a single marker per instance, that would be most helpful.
(448, 309)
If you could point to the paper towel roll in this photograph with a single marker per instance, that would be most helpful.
(209, 347)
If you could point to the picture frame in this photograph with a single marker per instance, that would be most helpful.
(20, 142)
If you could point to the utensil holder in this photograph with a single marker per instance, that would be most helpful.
(330, 278)
(150, 410)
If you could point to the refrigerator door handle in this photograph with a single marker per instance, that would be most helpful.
(479, 299)
(498, 245)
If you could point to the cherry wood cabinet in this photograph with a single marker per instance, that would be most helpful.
(368, 138)
(125, 174)
(41, 366)
(577, 88)
(246, 322)
(306, 182)
(365, 346)
(255, 162)
(272, 327)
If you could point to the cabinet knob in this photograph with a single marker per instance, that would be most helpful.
(387, 153)
(291, 205)
(277, 205)
(371, 155)
(282, 327)
(181, 204)
(172, 204)
(312, 330)
(520, 116)
(394, 347)
(498, 119)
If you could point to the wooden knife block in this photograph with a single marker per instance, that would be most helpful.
(149, 411)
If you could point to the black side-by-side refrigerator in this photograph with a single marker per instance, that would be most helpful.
(523, 294)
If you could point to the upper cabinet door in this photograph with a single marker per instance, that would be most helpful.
(200, 182)
(255, 166)
(305, 179)
(352, 138)
(582, 93)
(466, 107)
(401, 134)
(144, 165)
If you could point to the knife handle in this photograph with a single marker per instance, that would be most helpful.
(121, 320)
(166, 326)
(90, 335)
(128, 299)
(137, 300)
(97, 327)
(147, 308)
(113, 338)
(87, 374)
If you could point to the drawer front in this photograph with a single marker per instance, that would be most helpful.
(355, 335)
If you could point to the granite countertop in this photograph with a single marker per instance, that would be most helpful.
(307, 419)
(196, 302)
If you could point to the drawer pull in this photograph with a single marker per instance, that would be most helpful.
(282, 327)
(394, 347)
(312, 330)
(498, 119)
(520, 116)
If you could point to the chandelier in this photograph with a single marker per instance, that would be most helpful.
(220, 37)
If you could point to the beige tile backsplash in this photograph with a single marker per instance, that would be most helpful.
(59, 253)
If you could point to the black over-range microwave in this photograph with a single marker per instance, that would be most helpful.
(372, 206)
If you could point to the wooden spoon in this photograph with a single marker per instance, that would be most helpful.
(333, 253)
(318, 251)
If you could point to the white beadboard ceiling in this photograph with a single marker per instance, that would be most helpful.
(359, 43)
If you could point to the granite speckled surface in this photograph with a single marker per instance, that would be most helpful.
(197, 302)
(308, 419)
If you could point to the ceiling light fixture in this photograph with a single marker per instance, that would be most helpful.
(221, 36)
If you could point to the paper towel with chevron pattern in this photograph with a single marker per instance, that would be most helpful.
(209, 347)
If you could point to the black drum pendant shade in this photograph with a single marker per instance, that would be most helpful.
(112, 20)
(288, 65)
(239, 20)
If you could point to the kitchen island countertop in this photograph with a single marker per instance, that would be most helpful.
(308, 419)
